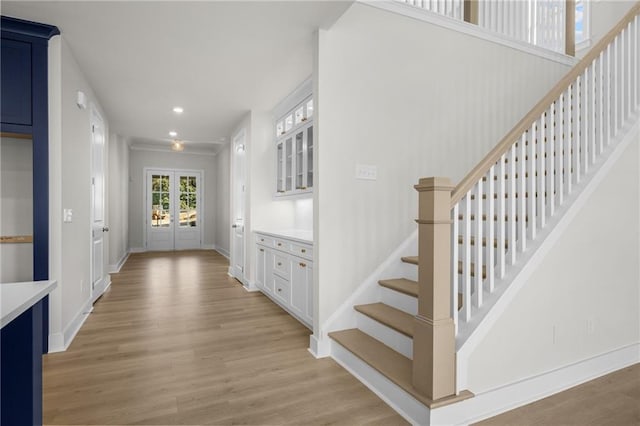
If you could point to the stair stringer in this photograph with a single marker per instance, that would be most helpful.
(472, 333)
(368, 291)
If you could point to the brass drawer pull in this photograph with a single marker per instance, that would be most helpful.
(279, 290)
(261, 249)
(303, 251)
(261, 239)
(279, 244)
(304, 265)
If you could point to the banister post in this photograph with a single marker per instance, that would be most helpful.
(434, 354)
(570, 28)
(471, 11)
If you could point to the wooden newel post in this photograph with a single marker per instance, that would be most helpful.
(470, 14)
(570, 28)
(434, 365)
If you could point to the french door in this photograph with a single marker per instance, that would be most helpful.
(173, 213)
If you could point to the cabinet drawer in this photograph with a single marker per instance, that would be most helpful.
(264, 240)
(302, 251)
(281, 244)
(282, 265)
(281, 289)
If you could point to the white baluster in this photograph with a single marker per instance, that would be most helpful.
(455, 257)
(559, 163)
(502, 192)
(466, 267)
(569, 136)
(540, 195)
(577, 136)
(601, 97)
(478, 243)
(521, 199)
(615, 98)
(608, 116)
(511, 223)
(551, 158)
(585, 118)
(490, 228)
(594, 115)
(531, 183)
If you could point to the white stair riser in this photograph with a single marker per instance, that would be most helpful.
(396, 341)
(409, 271)
(401, 301)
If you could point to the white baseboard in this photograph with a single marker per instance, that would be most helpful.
(319, 348)
(526, 391)
(223, 252)
(60, 342)
(137, 250)
(114, 269)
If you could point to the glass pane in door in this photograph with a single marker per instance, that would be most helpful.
(289, 164)
(280, 168)
(160, 208)
(299, 158)
(187, 196)
(310, 157)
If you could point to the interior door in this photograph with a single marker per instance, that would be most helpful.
(173, 210)
(98, 226)
(238, 208)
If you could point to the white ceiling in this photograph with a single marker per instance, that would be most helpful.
(216, 59)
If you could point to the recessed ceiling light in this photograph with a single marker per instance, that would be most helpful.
(178, 110)
(173, 133)
(177, 145)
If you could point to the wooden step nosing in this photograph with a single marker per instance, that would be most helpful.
(400, 288)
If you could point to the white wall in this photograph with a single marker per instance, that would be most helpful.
(138, 160)
(586, 292)
(70, 188)
(415, 100)
(223, 193)
(118, 218)
(16, 208)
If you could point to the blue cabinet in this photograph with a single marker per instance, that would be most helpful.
(16, 82)
(24, 111)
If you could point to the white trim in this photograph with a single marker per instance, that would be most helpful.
(501, 299)
(60, 342)
(102, 289)
(404, 404)
(114, 269)
(299, 94)
(208, 246)
(319, 348)
(222, 251)
(534, 388)
(152, 148)
(137, 250)
(409, 11)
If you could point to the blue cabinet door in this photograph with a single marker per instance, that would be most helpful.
(16, 83)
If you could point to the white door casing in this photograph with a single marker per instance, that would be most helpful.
(238, 219)
(173, 209)
(98, 225)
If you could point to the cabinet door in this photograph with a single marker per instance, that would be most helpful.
(260, 266)
(288, 164)
(308, 163)
(268, 271)
(309, 311)
(280, 186)
(300, 287)
(16, 82)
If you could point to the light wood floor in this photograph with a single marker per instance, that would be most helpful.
(176, 341)
(613, 400)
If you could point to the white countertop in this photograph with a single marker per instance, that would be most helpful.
(16, 298)
(300, 235)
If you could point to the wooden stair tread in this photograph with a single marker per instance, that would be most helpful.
(396, 319)
(391, 364)
(410, 259)
(401, 285)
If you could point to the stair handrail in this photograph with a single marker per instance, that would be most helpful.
(467, 183)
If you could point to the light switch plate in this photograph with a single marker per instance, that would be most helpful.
(67, 215)
(366, 172)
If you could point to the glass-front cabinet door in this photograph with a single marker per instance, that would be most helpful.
(294, 150)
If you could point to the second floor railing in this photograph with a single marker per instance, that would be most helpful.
(549, 24)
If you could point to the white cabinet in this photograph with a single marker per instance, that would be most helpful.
(285, 274)
(294, 142)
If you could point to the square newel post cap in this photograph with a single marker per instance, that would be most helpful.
(434, 184)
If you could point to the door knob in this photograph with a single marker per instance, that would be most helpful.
(234, 226)
(105, 229)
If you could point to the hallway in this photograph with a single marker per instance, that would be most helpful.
(176, 341)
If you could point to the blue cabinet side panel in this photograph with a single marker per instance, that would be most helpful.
(16, 82)
(21, 369)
